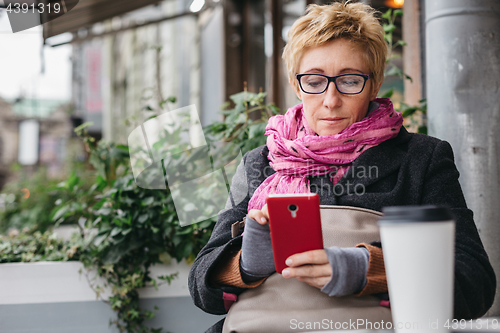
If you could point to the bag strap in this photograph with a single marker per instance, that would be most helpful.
(237, 228)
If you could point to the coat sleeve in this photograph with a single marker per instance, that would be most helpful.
(205, 293)
(475, 281)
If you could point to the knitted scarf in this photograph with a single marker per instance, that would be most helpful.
(295, 151)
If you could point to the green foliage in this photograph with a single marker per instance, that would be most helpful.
(245, 122)
(125, 229)
(31, 200)
(389, 26)
(31, 247)
(415, 116)
(20, 212)
(136, 228)
(410, 113)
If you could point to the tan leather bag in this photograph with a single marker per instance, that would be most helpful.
(287, 305)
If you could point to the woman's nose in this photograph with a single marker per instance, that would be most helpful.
(332, 97)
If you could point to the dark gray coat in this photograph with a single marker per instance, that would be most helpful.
(411, 169)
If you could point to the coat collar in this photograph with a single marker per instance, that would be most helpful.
(377, 162)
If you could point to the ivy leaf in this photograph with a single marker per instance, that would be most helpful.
(126, 231)
(115, 231)
(134, 314)
(388, 93)
(116, 304)
(256, 130)
(104, 211)
(165, 258)
(388, 38)
(394, 71)
(387, 14)
(60, 213)
(409, 111)
(143, 218)
(96, 221)
(99, 239)
(188, 248)
(114, 253)
(176, 240)
(170, 99)
(148, 201)
(168, 278)
(389, 27)
(206, 224)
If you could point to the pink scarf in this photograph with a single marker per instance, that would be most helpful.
(296, 152)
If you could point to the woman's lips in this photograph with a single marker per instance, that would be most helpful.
(332, 121)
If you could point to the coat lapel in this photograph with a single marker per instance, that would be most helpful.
(377, 162)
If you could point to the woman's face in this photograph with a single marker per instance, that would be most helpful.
(330, 112)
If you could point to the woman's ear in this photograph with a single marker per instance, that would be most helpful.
(295, 88)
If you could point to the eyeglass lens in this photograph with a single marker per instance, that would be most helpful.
(349, 84)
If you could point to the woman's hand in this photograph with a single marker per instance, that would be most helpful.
(311, 267)
(261, 216)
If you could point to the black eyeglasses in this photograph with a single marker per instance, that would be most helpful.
(349, 84)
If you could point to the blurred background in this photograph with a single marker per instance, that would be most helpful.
(99, 63)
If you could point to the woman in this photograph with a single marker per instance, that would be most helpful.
(351, 148)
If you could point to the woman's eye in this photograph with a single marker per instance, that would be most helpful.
(314, 83)
(350, 82)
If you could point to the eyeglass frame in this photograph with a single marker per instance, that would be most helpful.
(334, 80)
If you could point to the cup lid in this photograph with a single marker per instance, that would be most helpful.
(411, 214)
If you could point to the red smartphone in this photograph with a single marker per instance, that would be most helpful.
(295, 223)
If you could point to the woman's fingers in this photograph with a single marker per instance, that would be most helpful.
(265, 212)
(315, 282)
(311, 267)
(261, 216)
(308, 271)
(314, 275)
(308, 257)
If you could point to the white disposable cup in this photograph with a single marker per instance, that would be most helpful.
(418, 244)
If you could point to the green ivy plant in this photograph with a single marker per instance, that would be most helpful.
(125, 229)
(135, 229)
(245, 122)
(27, 202)
(389, 26)
(26, 246)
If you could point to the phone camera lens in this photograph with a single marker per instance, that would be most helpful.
(292, 208)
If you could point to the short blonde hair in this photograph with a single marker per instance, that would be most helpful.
(355, 22)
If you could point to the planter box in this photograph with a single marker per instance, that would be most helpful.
(55, 297)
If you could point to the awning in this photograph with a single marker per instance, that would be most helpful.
(88, 12)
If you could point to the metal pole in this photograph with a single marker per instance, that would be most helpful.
(463, 83)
